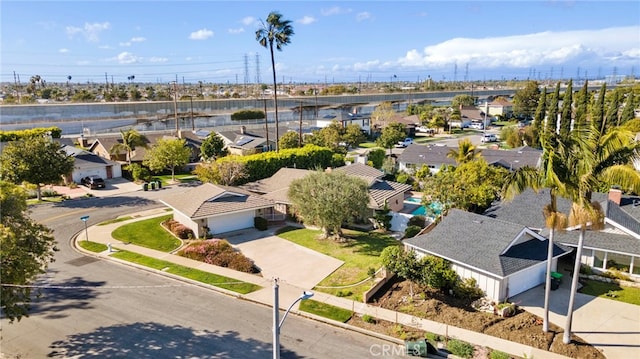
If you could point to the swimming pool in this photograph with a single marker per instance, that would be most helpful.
(435, 207)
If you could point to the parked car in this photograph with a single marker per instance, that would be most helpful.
(489, 137)
(93, 182)
(477, 126)
(406, 142)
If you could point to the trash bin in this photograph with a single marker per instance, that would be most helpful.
(556, 275)
(159, 184)
(555, 283)
(145, 186)
(153, 185)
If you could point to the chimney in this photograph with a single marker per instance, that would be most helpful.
(243, 130)
(615, 195)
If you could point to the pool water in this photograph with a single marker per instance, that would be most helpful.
(422, 211)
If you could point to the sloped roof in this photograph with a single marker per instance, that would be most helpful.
(359, 169)
(484, 243)
(437, 155)
(208, 200)
(280, 180)
(380, 191)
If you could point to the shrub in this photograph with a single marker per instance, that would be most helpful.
(584, 269)
(220, 253)
(615, 274)
(183, 232)
(468, 289)
(433, 337)
(345, 293)
(460, 348)
(260, 223)
(411, 231)
(247, 115)
(368, 319)
(496, 354)
(420, 221)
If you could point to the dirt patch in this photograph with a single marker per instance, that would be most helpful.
(523, 327)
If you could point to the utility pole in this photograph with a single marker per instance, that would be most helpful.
(175, 104)
(266, 122)
(300, 136)
(193, 125)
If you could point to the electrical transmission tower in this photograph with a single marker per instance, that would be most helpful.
(258, 81)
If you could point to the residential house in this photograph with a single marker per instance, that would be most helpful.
(103, 146)
(88, 164)
(345, 119)
(434, 156)
(504, 258)
(246, 142)
(500, 107)
(215, 209)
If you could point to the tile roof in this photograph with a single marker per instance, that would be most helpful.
(380, 191)
(280, 180)
(359, 169)
(208, 200)
(437, 155)
(479, 241)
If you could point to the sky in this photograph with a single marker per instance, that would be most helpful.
(334, 42)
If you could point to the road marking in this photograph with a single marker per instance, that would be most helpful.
(63, 215)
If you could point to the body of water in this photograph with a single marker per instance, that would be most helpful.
(435, 207)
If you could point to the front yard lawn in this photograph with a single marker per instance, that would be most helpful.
(359, 254)
(325, 310)
(148, 233)
(611, 291)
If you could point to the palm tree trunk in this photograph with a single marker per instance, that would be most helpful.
(275, 94)
(547, 287)
(566, 338)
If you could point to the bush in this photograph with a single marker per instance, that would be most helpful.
(368, 319)
(220, 253)
(345, 293)
(247, 115)
(433, 337)
(584, 269)
(460, 348)
(260, 223)
(411, 231)
(496, 354)
(420, 221)
(138, 173)
(615, 274)
(468, 289)
(183, 232)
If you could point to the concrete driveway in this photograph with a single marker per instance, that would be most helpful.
(611, 326)
(279, 258)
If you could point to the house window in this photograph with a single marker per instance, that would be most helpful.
(636, 266)
(619, 262)
(598, 259)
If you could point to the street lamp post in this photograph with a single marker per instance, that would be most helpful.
(86, 232)
(277, 324)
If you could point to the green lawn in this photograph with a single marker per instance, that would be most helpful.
(369, 145)
(93, 246)
(182, 178)
(359, 254)
(325, 310)
(148, 233)
(186, 272)
(611, 291)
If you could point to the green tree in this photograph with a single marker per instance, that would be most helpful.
(37, 161)
(291, 139)
(130, 139)
(212, 147)
(226, 173)
(392, 134)
(168, 154)
(329, 199)
(401, 262)
(276, 31)
(550, 128)
(382, 115)
(628, 113)
(525, 100)
(567, 110)
(466, 152)
(597, 115)
(26, 248)
(353, 136)
(376, 156)
(611, 118)
(462, 100)
(582, 107)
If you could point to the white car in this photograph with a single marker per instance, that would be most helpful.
(489, 137)
(406, 142)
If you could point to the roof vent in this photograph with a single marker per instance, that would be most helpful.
(477, 221)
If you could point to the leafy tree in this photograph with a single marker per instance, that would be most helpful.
(565, 119)
(582, 107)
(37, 161)
(275, 31)
(291, 139)
(436, 272)
(389, 166)
(212, 147)
(381, 115)
(391, 135)
(130, 140)
(226, 173)
(597, 115)
(26, 248)
(401, 262)
(550, 129)
(472, 186)
(329, 199)
(168, 154)
(462, 100)
(466, 152)
(353, 136)
(376, 156)
(628, 109)
(525, 100)
(611, 117)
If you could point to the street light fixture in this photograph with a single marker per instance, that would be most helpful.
(277, 324)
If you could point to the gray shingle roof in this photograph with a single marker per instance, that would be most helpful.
(479, 241)
(280, 180)
(437, 155)
(208, 200)
(602, 240)
(359, 169)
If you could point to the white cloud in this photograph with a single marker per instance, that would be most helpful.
(201, 34)
(236, 31)
(362, 16)
(335, 10)
(249, 20)
(90, 32)
(158, 59)
(127, 58)
(306, 20)
(521, 51)
(63, 51)
(125, 44)
(138, 39)
(105, 47)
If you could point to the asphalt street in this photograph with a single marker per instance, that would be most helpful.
(97, 308)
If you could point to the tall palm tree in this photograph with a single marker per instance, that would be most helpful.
(278, 31)
(466, 152)
(130, 140)
(599, 158)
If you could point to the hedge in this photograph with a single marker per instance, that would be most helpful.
(17, 135)
(247, 115)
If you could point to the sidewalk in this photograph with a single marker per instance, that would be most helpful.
(288, 293)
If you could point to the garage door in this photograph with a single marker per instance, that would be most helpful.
(231, 222)
(79, 174)
(526, 279)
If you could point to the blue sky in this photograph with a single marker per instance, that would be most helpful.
(348, 41)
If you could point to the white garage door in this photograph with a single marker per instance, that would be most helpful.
(526, 279)
(231, 222)
(80, 174)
